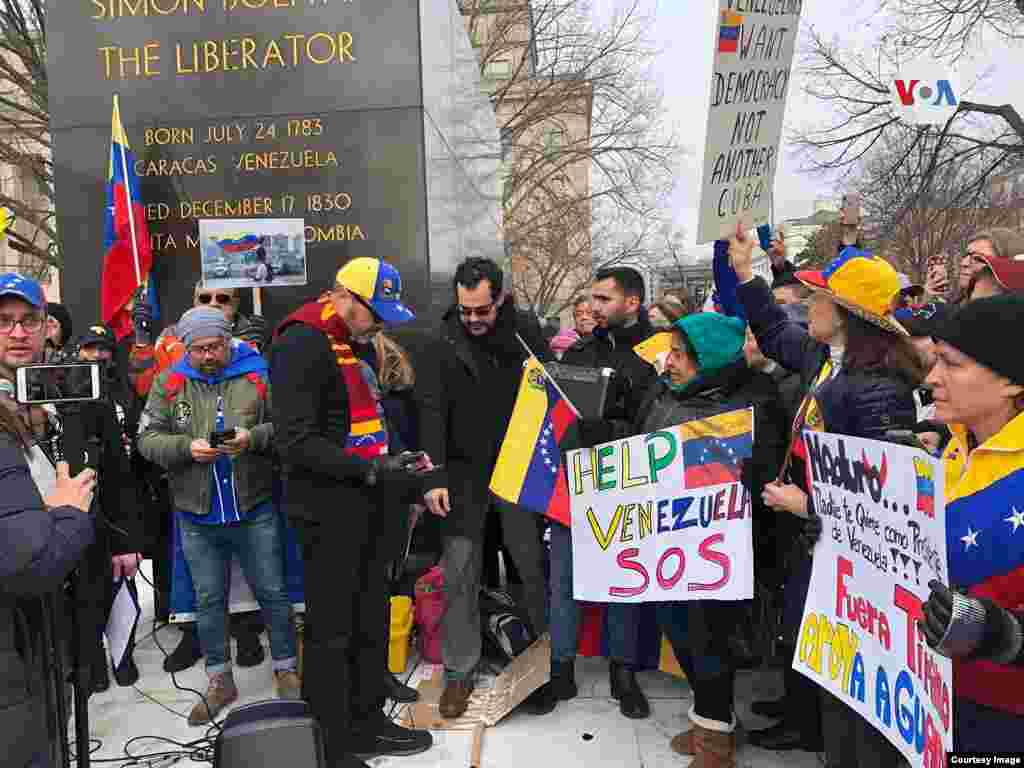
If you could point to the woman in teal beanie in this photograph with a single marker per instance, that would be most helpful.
(706, 374)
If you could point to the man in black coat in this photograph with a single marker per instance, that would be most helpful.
(617, 299)
(468, 389)
(344, 493)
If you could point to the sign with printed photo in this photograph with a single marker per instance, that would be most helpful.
(252, 253)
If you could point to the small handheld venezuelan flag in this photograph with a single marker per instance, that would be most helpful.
(529, 470)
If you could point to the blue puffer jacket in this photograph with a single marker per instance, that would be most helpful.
(856, 403)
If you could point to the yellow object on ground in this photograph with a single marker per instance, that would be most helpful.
(401, 629)
(668, 662)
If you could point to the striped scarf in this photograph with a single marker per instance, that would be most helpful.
(367, 436)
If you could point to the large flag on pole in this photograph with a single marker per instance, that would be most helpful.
(127, 256)
(529, 469)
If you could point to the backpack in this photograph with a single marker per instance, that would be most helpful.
(505, 629)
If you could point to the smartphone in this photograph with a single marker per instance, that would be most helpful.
(851, 209)
(218, 438)
(62, 383)
(410, 459)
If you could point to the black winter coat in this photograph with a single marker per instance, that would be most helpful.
(38, 549)
(467, 389)
(614, 349)
(312, 421)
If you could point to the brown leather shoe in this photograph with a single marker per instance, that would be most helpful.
(220, 693)
(455, 699)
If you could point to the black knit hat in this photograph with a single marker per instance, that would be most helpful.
(983, 330)
(784, 279)
(60, 313)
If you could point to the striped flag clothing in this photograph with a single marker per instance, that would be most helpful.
(985, 542)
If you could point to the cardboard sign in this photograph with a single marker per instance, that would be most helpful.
(663, 516)
(884, 539)
(752, 62)
(488, 705)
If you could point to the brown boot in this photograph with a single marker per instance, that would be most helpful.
(288, 685)
(455, 699)
(220, 693)
(713, 749)
(683, 744)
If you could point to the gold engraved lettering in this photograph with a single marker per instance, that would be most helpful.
(108, 10)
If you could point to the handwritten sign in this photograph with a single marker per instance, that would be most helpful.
(753, 57)
(663, 516)
(884, 539)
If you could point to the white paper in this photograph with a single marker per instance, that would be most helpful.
(123, 617)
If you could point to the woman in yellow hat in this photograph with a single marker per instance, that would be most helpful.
(859, 371)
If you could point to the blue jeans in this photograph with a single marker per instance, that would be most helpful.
(208, 550)
(623, 626)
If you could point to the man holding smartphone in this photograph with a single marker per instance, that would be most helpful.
(207, 422)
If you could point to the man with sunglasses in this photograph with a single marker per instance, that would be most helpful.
(147, 360)
(344, 493)
(468, 387)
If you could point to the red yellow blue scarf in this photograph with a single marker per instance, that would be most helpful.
(367, 437)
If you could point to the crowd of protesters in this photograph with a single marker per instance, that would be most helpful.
(227, 441)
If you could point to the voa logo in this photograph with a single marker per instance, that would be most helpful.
(932, 94)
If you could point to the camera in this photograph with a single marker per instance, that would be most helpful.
(221, 436)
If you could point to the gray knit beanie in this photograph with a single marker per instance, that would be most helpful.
(202, 322)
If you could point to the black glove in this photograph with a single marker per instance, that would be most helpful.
(254, 332)
(383, 466)
(811, 531)
(957, 625)
(142, 321)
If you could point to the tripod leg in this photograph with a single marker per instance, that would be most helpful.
(56, 700)
(78, 674)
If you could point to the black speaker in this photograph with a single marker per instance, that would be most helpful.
(270, 734)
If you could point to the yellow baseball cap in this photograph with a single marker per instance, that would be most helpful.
(378, 284)
(862, 283)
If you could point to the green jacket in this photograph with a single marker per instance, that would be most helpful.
(182, 407)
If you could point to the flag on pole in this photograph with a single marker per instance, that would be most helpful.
(529, 470)
(127, 258)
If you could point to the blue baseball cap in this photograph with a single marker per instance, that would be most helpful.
(24, 288)
(379, 285)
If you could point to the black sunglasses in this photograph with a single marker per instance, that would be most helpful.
(220, 298)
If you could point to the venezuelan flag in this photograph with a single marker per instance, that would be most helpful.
(714, 448)
(239, 244)
(655, 349)
(127, 257)
(729, 32)
(529, 470)
(925, 487)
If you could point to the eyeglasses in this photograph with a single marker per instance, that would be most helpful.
(471, 312)
(28, 323)
(220, 298)
(207, 349)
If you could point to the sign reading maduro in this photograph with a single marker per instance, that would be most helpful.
(664, 516)
(883, 540)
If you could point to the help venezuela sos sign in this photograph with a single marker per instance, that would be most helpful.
(664, 516)
(928, 96)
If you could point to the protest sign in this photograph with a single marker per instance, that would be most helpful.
(663, 516)
(752, 60)
(883, 540)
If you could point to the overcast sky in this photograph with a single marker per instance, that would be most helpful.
(685, 32)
